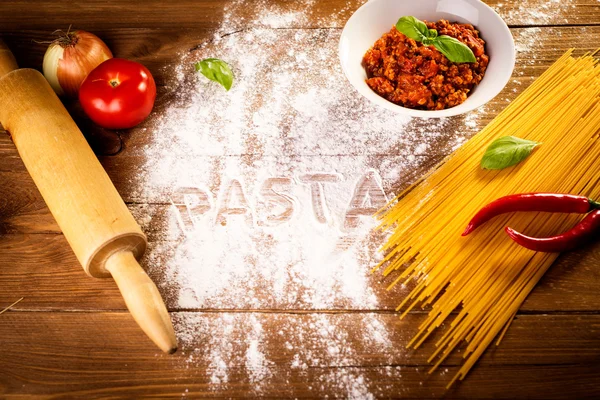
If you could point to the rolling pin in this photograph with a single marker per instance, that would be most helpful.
(88, 209)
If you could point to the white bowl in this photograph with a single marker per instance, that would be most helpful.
(377, 17)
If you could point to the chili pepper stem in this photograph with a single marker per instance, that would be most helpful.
(594, 205)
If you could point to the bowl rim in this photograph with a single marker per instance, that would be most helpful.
(447, 112)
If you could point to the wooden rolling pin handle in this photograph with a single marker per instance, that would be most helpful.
(7, 60)
(143, 300)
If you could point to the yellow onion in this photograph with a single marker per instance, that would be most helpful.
(70, 58)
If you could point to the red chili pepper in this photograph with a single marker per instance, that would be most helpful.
(545, 202)
(578, 235)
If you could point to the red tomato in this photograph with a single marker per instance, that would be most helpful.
(118, 94)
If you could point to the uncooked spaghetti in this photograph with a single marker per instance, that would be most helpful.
(480, 281)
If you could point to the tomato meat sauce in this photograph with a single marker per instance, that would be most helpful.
(413, 75)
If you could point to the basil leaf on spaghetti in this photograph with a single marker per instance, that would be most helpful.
(216, 70)
(507, 151)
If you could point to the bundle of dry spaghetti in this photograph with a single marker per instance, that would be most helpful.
(479, 281)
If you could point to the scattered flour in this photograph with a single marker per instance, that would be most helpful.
(263, 201)
(321, 349)
(536, 12)
(527, 44)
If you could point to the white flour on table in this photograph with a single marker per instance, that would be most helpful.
(535, 12)
(269, 190)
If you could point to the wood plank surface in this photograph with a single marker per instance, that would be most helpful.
(44, 271)
(206, 14)
(104, 354)
(71, 337)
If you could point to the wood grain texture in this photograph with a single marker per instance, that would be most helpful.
(45, 271)
(62, 341)
(94, 355)
(207, 14)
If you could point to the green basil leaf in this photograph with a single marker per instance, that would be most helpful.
(455, 50)
(428, 41)
(507, 151)
(412, 28)
(216, 70)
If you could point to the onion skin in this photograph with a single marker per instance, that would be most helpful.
(70, 58)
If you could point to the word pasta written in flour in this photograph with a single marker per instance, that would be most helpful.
(278, 200)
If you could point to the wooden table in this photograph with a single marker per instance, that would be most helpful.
(71, 336)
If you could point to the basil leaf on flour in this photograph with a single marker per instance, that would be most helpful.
(455, 50)
(413, 28)
(216, 70)
(507, 151)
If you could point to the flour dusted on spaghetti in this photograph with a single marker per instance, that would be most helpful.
(268, 192)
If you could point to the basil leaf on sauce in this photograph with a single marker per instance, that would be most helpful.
(507, 151)
(413, 28)
(455, 50)
(216, 70)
